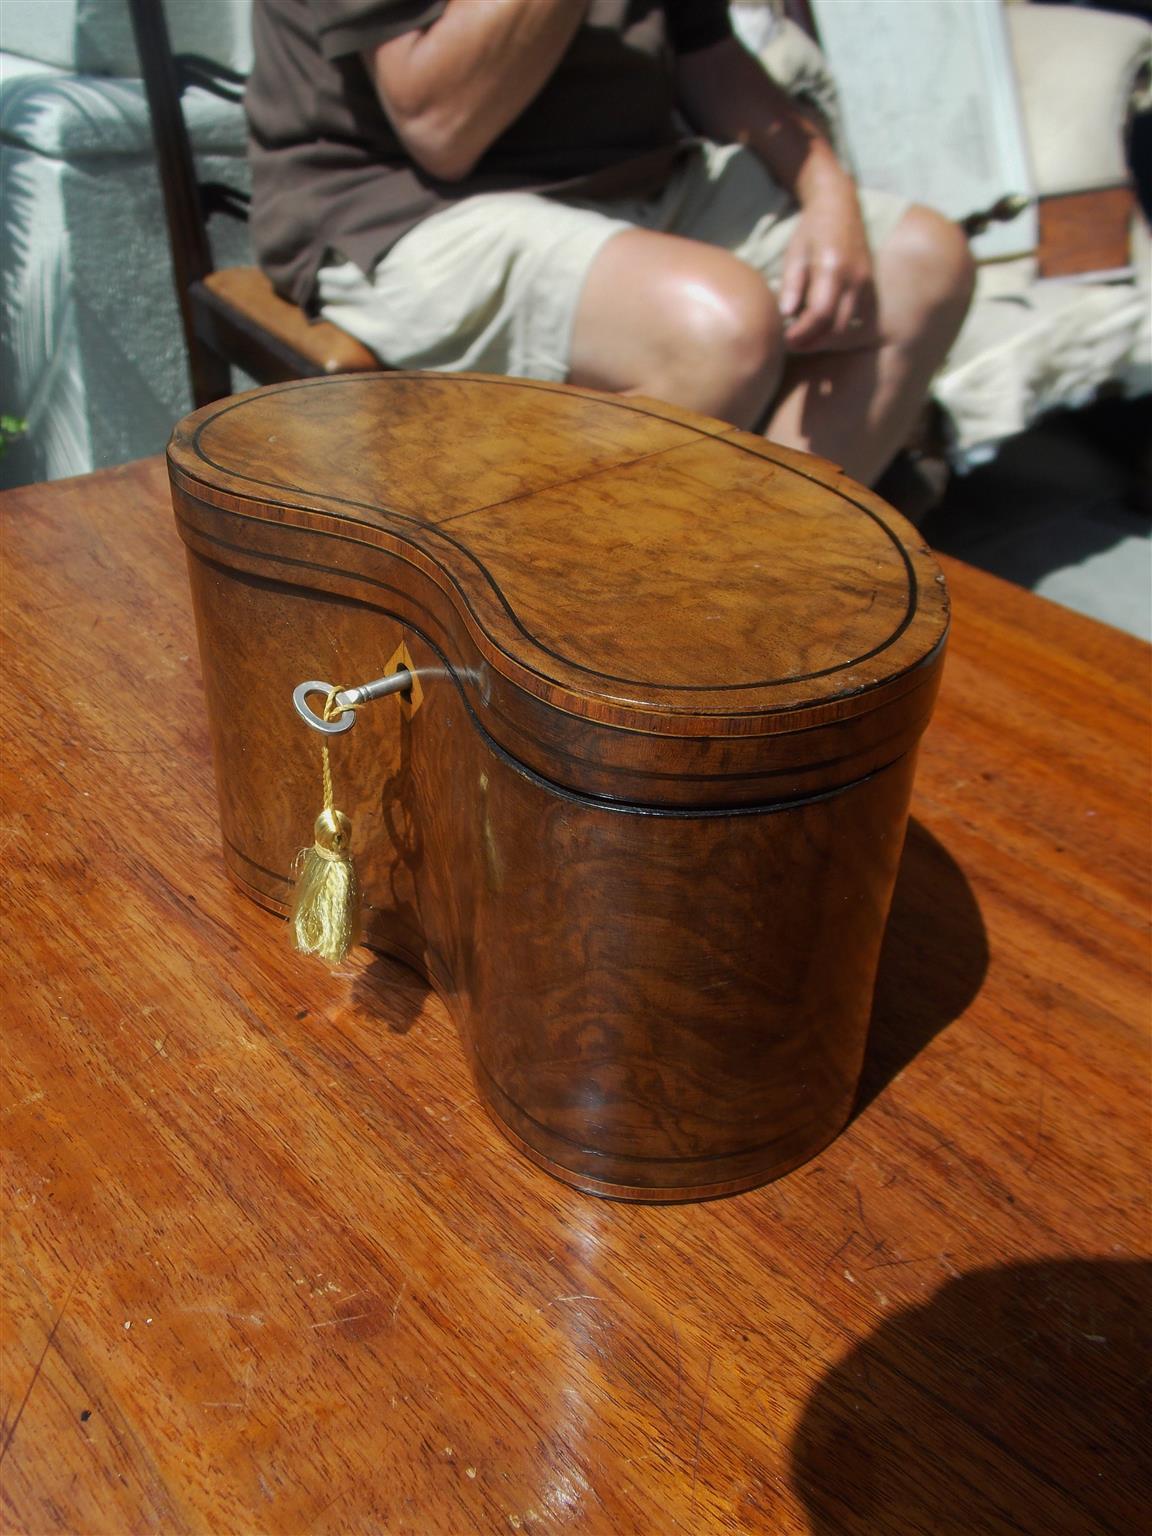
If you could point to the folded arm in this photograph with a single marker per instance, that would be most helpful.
(452, 89)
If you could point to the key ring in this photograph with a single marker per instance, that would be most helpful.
(347, 700)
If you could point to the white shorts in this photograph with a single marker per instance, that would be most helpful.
(492, 284)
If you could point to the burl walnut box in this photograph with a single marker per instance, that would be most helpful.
(638, 817)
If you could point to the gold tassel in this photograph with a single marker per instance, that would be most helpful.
(325, 918)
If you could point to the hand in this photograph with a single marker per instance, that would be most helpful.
(827, 297)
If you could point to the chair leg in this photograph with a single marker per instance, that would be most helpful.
(211, 375)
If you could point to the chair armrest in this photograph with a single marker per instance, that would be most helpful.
(243, 299)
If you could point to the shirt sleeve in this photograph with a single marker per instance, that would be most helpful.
(696, 24)
(349, 26)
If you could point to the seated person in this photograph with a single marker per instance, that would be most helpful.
(607, 192)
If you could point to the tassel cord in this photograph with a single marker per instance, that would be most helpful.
(325, 917)
(330, 712)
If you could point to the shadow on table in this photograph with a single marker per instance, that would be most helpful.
(1071, 487)
(1013, 1400)
(932, 965)
(392, 992)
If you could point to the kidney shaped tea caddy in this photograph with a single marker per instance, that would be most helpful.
(639, 815)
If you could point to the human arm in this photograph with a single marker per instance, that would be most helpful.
(451, 89)
(826, 292)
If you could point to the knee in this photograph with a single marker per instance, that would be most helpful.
(723, 325)
(935, 263)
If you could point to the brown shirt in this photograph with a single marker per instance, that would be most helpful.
(330, 177)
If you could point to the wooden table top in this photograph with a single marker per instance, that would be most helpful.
(268, 1267)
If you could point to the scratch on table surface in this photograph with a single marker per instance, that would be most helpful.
(396, 1303)
(599, 1320)
(679, 1371)
(245, 1400)
(158, 1049)
(158, 749)
(942, 1143)
(700, 1427)
(39, 1366)
(32, 1098)
(1031, 1163)
(834, 1256)
(255, 1318)
(331, 1322)
(864, 1222)
(338, 1495)
(916, 1258)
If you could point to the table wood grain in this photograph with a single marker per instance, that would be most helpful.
(269, 1268)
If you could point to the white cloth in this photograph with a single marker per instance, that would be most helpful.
(1031, 346)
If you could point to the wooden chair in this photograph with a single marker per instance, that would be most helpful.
(230, 315)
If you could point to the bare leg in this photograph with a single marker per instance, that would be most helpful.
(681, 321)
(858, 407)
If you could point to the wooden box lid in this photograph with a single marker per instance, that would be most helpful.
(639, 602)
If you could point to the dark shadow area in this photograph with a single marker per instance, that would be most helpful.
(1140, 159)
(932, 965)
(392, 992)
(1073, 485)
(1015, 1400)
(395, 989)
